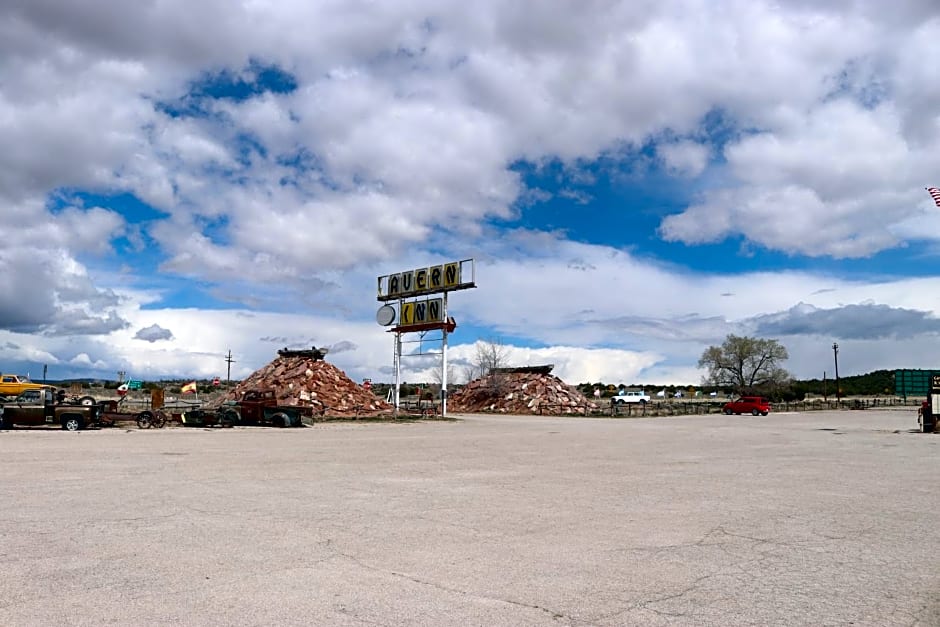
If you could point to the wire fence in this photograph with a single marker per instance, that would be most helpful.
(687, 408)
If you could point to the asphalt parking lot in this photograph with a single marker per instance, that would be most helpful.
(823, 518)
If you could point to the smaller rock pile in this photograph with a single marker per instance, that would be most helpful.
(307, 382)
(520, 393)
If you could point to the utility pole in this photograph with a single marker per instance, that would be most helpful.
(825, 390)
(835, 354)
(229, 361)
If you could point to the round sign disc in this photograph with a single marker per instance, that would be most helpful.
(385, 315)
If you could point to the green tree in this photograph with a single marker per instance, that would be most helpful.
(745, 364)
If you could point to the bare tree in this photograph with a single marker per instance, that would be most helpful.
(490, 354)
(745, 364)
(469, 373)
(451, 375)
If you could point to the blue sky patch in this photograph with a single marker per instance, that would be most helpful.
(256, 79)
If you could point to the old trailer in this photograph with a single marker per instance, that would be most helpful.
(116, 411)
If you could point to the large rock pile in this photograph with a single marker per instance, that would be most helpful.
(308, 382)
(520, 393)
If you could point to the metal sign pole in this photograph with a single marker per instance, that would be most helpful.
(397, 371)
(444, 361)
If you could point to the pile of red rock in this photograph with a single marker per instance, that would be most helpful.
(520, 393)
(308, 382)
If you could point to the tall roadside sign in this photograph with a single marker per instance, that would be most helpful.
(415, 301)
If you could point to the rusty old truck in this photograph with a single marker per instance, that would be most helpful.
(40, 407)
(255, 407)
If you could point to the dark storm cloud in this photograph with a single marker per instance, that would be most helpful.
(78, 322)
(153, 333)
(693, 328)
(862, 322)
(45, 318)
(28, 303)
(343, 346)
(44, 294)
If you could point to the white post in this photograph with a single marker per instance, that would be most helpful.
(397, 371)
(444, 362)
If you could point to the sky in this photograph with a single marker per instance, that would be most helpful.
(634, 181)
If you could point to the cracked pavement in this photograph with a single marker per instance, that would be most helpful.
(700, 520)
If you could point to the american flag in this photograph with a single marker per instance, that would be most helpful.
(934, 193)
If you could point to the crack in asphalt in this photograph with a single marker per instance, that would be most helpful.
(745, 551)
(712, 538)
(554, 614)
(359, 619)
(928, 614)
(44, 521)
(692, 587)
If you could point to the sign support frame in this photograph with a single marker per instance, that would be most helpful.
(444, 363)
(397, 368)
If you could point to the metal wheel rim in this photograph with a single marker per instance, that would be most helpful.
(159, 420)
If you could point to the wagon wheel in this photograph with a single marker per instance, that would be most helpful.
(159, 419)
(144, 420)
